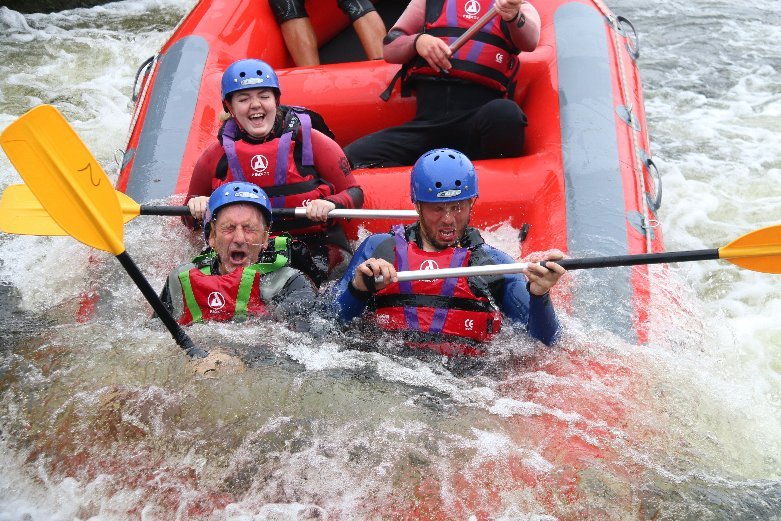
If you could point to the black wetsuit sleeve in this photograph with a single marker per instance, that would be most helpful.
(285, 10)
(355, 9)
(296, 302)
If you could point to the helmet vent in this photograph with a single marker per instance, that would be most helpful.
(438, 184)
(242, 74)
(458, 182)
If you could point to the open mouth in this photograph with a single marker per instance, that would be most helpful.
(238, 257)
(447, 235)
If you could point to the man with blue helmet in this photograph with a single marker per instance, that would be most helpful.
(242, 273)
(290, 153)
(452, 316)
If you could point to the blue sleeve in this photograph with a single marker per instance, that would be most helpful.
(345, 303)
(535, 313)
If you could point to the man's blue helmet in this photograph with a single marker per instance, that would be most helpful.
(442, 175)
(236, 192)
(249, 74)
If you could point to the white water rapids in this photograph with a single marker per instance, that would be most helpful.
(101, 420)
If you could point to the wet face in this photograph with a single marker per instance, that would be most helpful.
(443, 224)
(238, 236)
(255, 110)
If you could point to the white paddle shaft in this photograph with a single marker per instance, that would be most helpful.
(493, 269)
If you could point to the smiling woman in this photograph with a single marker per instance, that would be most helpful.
(280, 149)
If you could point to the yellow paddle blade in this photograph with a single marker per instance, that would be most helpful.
(22, 213)
(65, 178)
(759, 250)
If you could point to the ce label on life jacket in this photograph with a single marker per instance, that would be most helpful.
(215, 301)
(469, 324)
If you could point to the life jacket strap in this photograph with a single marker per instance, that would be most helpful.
(405, 287)
(230, 133)
(431, 301)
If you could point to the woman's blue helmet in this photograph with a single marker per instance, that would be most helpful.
(249, 74)
(236, 192)
(442, 175)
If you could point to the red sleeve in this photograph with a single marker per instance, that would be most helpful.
(204, 171)
(404, 32)
(333, 167)
(527, 36)
(201, 179)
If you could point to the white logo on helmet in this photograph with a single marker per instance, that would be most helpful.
(251, 81)
(247, 195)
(259, 164)
(445, 194)
(472, 7)
(216, 301)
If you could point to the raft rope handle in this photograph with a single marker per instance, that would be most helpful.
(632, 43)
(151, 63)
(638, 168)
(144, 65)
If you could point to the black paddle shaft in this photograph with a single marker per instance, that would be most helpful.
(175, 329)
(634, 260)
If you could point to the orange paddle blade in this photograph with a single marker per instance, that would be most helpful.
(758, 250)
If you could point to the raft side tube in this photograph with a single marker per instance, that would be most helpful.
(597, 211)
(170, 110)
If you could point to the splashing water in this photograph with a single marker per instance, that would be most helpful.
(103, 419)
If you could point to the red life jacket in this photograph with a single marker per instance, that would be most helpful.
(272, 166)
(226, 297)
(489, 58)
(440, 306)
(220, 297)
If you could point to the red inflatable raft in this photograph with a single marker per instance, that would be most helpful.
(586, 183)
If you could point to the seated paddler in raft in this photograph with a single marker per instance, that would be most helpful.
(464, 100)
(290, 153)
(243, 272)
(453, 316)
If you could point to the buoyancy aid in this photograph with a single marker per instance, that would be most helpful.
(282, 166)
(235, 295)
(440, 306)
(489, 58)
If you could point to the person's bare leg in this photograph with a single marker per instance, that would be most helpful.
(301, 41)
(371, 31)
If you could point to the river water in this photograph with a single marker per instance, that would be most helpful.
(102, 420)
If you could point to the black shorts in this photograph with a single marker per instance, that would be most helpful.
(285, 10)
